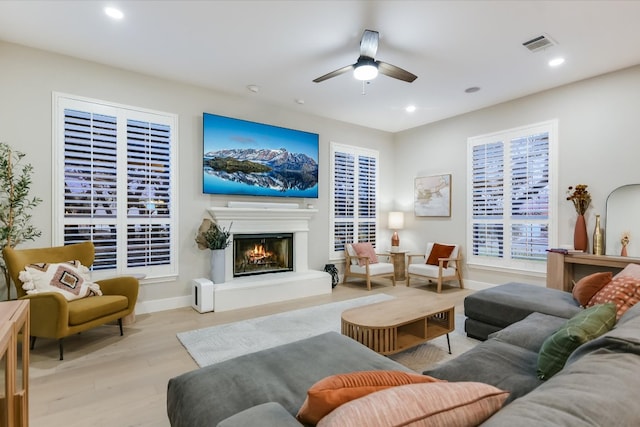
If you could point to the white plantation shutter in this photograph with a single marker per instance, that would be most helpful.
(114, 173)
(354, 175)
(148, 193)
(511, 190)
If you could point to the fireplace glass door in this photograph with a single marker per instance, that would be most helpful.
(262, 253)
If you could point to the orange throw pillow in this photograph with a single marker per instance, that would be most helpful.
(365, 249)
(331, 392)
(440, 251)
(623, 291)
(589, 285)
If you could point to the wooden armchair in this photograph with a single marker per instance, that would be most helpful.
(52, 316)
(440, 262)
(362, 267)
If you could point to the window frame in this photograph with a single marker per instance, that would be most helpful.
(123, 114)
(357, 152)
(508, 264)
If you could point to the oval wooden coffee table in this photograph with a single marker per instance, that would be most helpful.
(392, 326)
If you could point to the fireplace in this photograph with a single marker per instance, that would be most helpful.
(262, 253)
(292, 277)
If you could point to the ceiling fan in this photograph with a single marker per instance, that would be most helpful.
(366, 67)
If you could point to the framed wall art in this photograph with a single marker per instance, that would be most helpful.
(433, 195)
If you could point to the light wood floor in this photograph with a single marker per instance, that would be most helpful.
(111, 381)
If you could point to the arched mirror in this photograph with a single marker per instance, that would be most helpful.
(623, 215)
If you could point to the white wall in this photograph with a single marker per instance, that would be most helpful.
(598, 146)
(27, 79)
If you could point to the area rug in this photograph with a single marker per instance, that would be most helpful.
(218, 343)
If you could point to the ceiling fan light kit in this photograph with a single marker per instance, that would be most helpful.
(367, 68)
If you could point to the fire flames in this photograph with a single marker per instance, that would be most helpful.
(258, 254)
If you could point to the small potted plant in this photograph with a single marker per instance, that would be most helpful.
(211, 236)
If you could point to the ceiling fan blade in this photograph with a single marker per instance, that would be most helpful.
(334, 73)
(395, 72)
(369, 44)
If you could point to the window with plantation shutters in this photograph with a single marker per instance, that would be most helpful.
(510, 191)
(354, 176)
(114, 174)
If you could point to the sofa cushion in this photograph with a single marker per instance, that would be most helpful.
(509, 303)
(597, 390)
(335, 390)
(436, 404)
(583, 327)
(503, 365)
(530, 332)
(281, 374)
(87, 309)
(623, 291)
(589, 285)
(268, 414)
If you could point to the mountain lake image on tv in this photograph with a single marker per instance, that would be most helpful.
(247, 158)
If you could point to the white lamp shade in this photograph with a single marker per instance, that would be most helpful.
(396, 220)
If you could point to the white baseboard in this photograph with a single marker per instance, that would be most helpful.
(145, 307)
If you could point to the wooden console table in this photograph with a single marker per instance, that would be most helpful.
(14, 335)
(560, 271)
(392, 326)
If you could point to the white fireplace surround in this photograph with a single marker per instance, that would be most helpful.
(248, 291)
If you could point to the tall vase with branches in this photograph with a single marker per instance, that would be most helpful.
(15, 204)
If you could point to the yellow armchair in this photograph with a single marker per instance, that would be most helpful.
(52, 316)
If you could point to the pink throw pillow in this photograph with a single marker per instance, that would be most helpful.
(366, 250)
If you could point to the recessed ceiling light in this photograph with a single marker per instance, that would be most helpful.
(114, 13)
(254, 88)
(472, 89)
(556, 61)
(410, 108)
(299, 101)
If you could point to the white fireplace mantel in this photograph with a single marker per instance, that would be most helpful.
(266, 288)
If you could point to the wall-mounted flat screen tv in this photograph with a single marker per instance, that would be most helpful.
(247, 158)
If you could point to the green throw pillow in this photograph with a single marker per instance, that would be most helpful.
(584, 326)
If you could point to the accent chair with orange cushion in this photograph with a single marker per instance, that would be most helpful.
(361, 261)
(441, 262)
(55, 316)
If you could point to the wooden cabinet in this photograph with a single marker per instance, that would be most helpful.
(14, 357)
(562, 269)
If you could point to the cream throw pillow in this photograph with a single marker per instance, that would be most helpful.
(71, 279)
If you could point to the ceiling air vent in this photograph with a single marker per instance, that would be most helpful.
(539, 43)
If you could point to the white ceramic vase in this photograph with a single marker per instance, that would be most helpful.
(217, 265)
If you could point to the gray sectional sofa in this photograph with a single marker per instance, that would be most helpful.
(597, 387)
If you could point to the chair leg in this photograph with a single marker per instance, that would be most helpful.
(120, 324)
(368, 283)
(460, 279)
(33, 343)
(439, 284)
(60, 347)
(408, 277)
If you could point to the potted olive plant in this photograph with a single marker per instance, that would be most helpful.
(211, 236)
(15, 204)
